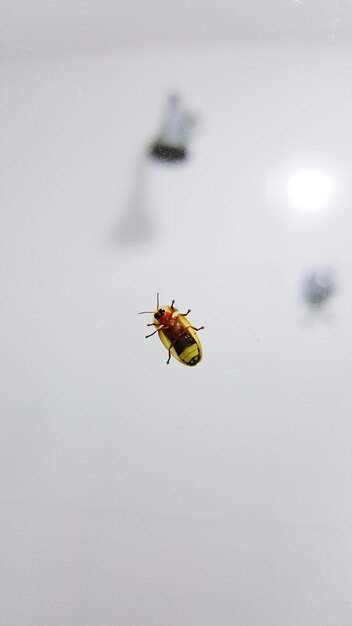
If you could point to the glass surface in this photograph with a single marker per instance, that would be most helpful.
(135, 493)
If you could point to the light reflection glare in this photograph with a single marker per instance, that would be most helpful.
(310, 190)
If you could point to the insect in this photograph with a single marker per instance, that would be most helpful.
(176, 333)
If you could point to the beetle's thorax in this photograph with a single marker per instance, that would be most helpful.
(168, 320)
(164, 318)
(171, 321)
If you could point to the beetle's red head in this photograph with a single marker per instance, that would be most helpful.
(163, 315)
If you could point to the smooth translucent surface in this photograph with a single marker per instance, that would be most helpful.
(136, 494)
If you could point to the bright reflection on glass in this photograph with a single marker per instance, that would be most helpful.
(310, 190)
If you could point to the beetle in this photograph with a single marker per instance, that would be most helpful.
(176, 333)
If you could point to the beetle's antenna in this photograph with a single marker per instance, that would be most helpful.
(157, 300)
(142, 312)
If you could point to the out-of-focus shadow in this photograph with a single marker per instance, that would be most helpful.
(171, 144)
(318, 289)
(135, 226)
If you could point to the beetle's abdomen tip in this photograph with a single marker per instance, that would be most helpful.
(194, 360)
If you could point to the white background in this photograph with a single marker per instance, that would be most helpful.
(135, 494)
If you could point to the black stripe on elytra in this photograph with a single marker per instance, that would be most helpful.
(183, 342)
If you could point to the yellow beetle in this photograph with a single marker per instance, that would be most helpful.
(176, 333)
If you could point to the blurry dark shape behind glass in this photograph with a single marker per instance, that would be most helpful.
(135, 225)
(318, 287)
(171, 145)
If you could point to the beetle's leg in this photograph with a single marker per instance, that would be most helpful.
(194, 328)
(151, 334)
(172, 304)
(153, 324)
(185, 314)
(155, 331)
(172, 345)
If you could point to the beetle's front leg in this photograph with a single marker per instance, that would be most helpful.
(155, 331)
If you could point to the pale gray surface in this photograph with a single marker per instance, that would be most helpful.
(31, 27)
(136, 494)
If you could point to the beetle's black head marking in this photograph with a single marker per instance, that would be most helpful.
(159, 314)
